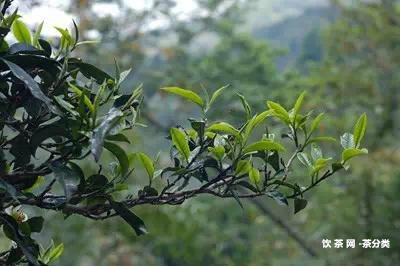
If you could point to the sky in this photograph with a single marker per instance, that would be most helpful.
(266, 12)
(54, 15)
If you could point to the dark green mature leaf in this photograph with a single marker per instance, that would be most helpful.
(26, 249)
(278, 197)
(66, 177)
(36, 224)
(120, 155)
(21, 32)
(100, 133)
(89, 71)
(118, 137)
(198, 126)
(132, 219)
(8, 188)
(187, 94)
(44, 133)
(299, 204)
(29, 82)
(180, 142)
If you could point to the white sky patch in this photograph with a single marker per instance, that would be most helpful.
(51, 12)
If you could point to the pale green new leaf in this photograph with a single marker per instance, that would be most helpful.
(246, 105)
(279, 111)
(86, 99)
(180, 142)
(254, 176)
(264, 145)
(347, 154)
(21, 32)
(36, 36)
(298, 103)
(187, 94)
(359, 129)
(225, 128)
(254, 122)
(322, 139)
(315, 122)
(319, 164)
(242, 167)
(147, 163)
(215, 95)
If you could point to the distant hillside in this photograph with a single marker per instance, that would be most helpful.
(290, 34)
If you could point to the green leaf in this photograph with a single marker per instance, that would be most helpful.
(35, 224)
(90, 71)
(36, 36)
(254, 176)
(254, 122)
(349, 153)
(303, 158)
(315, 122)
(278, 197)
(66, 105)
(298, 103)
(29, 82)
(319, 164)
(101, 131)
(218, 151)
(46, 132)
(215, 95)
(316, 152)
(120, 154)
(359, 129)
(21, 32)
(242, 167)
(148, 164)
(224, 128)
(55, 253)
(322, 139)
(132, 219)
(299, 204)
(264, 145)
(86, 99)
(118, 137)
(279, 111)
(180, 142)
(246, 105)
(187, 94)
(66, 177)
(65, 34)
(347, 141)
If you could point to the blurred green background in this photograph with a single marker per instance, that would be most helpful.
(345, 54)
